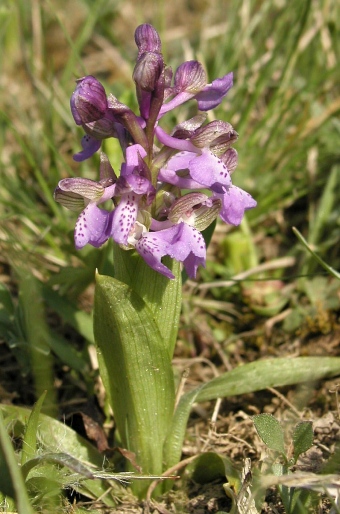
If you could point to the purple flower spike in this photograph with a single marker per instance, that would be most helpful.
(171, 186)
(235, 202)
(88, 101)
(90, 146)
(213, 94)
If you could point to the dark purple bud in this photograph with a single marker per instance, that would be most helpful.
(190, 77)
(103, 128)
(147, 39)
(147, 71)
(88, 101)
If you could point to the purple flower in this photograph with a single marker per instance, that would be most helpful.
(190, 82)
(181, 242)
(93, 227)
(205, 169)
(132, 185)
(94, 224)
(235, 202)
(90, 146)
(212, 95)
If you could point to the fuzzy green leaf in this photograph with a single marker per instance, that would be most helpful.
(29, 446)
(56, 437)
(12, 482)
(270, 431)
(302, 438)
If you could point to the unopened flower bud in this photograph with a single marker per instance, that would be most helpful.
(147, 39)
(88, 101)
(76, 193)
(102, 128)
(147, 71)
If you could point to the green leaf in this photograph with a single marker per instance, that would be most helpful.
(242, 380)
(270, 431)
(327, 201)
(29, 443)
(37, 335)
(79, 320)
(136, 370)
(302, 438)
(56, 437)
(62, 459)
(6, 299)
(12, 482)
(322, 263)
(210, 465)
(163, 296)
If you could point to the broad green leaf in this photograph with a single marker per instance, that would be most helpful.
(163, 296)
(270, 431)
(56, 437)
(12, 482)
(136, 370)
(246, 379)
(29, 442)
(302, 438)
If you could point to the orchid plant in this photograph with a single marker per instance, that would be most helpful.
(170, 188)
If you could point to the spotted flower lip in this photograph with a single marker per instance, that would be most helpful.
(181, 242)
(90, 146)
(132, 185)
(172, 185)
